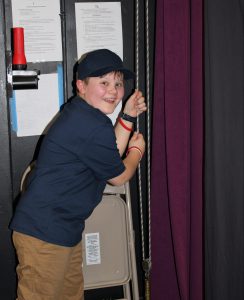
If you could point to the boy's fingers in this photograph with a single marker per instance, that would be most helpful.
(135, 136)
(138, 95)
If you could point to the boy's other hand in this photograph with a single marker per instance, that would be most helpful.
(137, 140)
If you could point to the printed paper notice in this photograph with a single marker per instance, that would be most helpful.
(42, 28)
(35, 109)
(98, 25)
(92, 247)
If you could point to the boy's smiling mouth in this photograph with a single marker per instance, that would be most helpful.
(109, 100)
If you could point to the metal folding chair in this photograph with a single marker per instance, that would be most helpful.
(108, 244)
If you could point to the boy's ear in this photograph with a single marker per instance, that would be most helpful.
(80, 85)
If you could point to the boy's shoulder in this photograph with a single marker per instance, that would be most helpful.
(77, 114)
(85, 112)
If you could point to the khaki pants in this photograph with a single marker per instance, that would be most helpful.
(47, 271)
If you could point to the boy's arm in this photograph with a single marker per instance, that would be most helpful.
(134, 106)
(136, 150)
(131, 162)
(122, 134)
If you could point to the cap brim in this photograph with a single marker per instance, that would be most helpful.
(127, 73)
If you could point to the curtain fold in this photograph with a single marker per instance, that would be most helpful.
(224, 148)
(177, 152)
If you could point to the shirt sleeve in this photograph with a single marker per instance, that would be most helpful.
(101, 154)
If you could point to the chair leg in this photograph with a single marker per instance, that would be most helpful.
(126, 289)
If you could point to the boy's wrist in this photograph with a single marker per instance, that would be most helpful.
(137, 149)
(126, 124)
(127, 117)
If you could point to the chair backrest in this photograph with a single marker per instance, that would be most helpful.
(106, 258)
(25, 176)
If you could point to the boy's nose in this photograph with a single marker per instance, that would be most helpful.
(113, 90)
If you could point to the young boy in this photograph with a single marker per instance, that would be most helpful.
(80, 153)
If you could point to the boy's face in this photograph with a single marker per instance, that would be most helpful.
(103, 93)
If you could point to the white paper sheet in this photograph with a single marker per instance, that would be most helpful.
(42, 28)
(36, 108)
(98, 25)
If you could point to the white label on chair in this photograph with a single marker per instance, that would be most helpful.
(92, 245)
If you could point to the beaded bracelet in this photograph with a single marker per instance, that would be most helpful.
(134, 148)
(123, 125)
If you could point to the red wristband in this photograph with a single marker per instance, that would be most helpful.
(123, 125)
(134, 148)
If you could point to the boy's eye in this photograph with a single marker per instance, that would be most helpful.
(119, 84)
(104, 83)
(116, 85)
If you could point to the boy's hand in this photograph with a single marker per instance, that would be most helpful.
(137, 140)
(135, 105)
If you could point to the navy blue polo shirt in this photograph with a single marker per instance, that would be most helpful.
(77, 156)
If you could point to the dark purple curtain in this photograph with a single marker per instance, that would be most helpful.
(177, 152)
